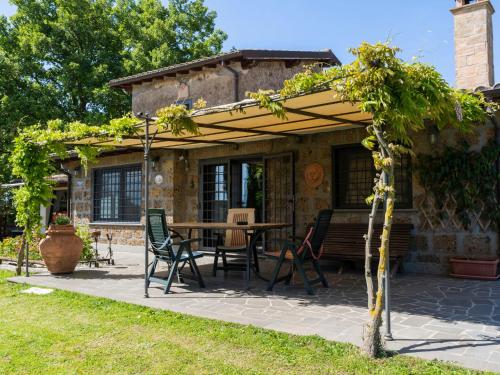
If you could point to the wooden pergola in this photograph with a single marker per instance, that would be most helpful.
(311, 113)
(245, 121)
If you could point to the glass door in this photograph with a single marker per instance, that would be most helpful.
(214, 198)
(247, 180)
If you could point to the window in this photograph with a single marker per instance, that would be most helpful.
(117, 194)
(353, 175)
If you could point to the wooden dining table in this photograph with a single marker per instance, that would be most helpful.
(252, 234)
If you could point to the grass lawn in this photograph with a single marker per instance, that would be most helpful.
(69, 333)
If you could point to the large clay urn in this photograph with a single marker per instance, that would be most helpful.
(61, 249)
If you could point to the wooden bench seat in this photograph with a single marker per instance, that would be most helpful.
(346, 242)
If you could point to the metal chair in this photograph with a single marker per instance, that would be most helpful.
(164, 251)
(310, 249)
(234, 242)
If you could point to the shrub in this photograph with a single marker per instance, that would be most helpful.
(62, 220)
(83, 232)
(10, 247)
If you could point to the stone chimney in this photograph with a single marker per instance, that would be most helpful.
(473, 43)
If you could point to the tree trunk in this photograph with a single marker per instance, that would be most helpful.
(368, 253)
(372, 339)
(371, 335)
(20, 256)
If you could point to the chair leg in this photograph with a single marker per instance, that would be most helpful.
(256, 259)
(396, 267)
(224, 262)
(173, 271)
(277, 268)
(290, 275)
(180, 279)
(152, 270)
(301, 272)
(320, 273)
(216, 262)
(194, 266)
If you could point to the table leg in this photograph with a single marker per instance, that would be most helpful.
(248, 260)
(250, 251)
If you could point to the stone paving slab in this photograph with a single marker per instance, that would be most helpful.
(433, 317)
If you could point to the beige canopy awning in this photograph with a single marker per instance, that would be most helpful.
(245, 121)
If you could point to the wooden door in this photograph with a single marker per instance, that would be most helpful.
(279, 197)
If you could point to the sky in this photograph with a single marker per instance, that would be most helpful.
(422, 28)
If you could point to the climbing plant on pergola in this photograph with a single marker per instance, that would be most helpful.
(399, 96)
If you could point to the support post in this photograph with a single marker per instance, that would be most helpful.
(26, 249)
(147, 144)
(387, 282)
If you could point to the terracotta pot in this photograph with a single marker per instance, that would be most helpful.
(480, 268)
(61, 249)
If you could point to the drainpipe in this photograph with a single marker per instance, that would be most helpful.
(236, 81)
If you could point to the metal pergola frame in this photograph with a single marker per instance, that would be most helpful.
(245, 121)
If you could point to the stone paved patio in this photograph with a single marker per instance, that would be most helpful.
(433, 317)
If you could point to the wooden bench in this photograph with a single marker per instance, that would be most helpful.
(346, 242)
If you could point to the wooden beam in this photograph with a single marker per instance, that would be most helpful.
(246, 130)
(324, 117)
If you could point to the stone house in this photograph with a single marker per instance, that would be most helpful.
(202, 183)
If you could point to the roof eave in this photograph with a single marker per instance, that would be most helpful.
(327, 56)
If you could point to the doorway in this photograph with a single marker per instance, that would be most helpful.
(264, 183)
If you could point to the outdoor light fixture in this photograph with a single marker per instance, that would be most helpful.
(76, 171)
(434, 135)
(155, 162)
(186, 162)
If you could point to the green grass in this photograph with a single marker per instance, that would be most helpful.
(69, 333)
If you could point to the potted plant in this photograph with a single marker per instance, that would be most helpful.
(61, 249)
(477, 268)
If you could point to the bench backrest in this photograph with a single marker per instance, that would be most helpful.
(347, 240)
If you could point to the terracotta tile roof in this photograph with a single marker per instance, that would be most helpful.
(326, 56)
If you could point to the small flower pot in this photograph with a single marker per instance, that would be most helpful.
(61, 249)
(480, 268)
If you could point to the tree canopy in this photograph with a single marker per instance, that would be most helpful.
(57, 56)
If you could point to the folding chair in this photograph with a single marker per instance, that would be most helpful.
(309, 250)
(164, 251)
(234, 242)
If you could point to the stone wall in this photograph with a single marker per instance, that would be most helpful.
(161, 196)
(431, 247)
(215, 85)
(178, 193)
(437, 239)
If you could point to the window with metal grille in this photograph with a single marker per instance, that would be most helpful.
(353, 175)
(117, 194)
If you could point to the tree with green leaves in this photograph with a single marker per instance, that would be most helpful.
(57, 56)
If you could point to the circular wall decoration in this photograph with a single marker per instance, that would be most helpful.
(314, 174)
(158, 179)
